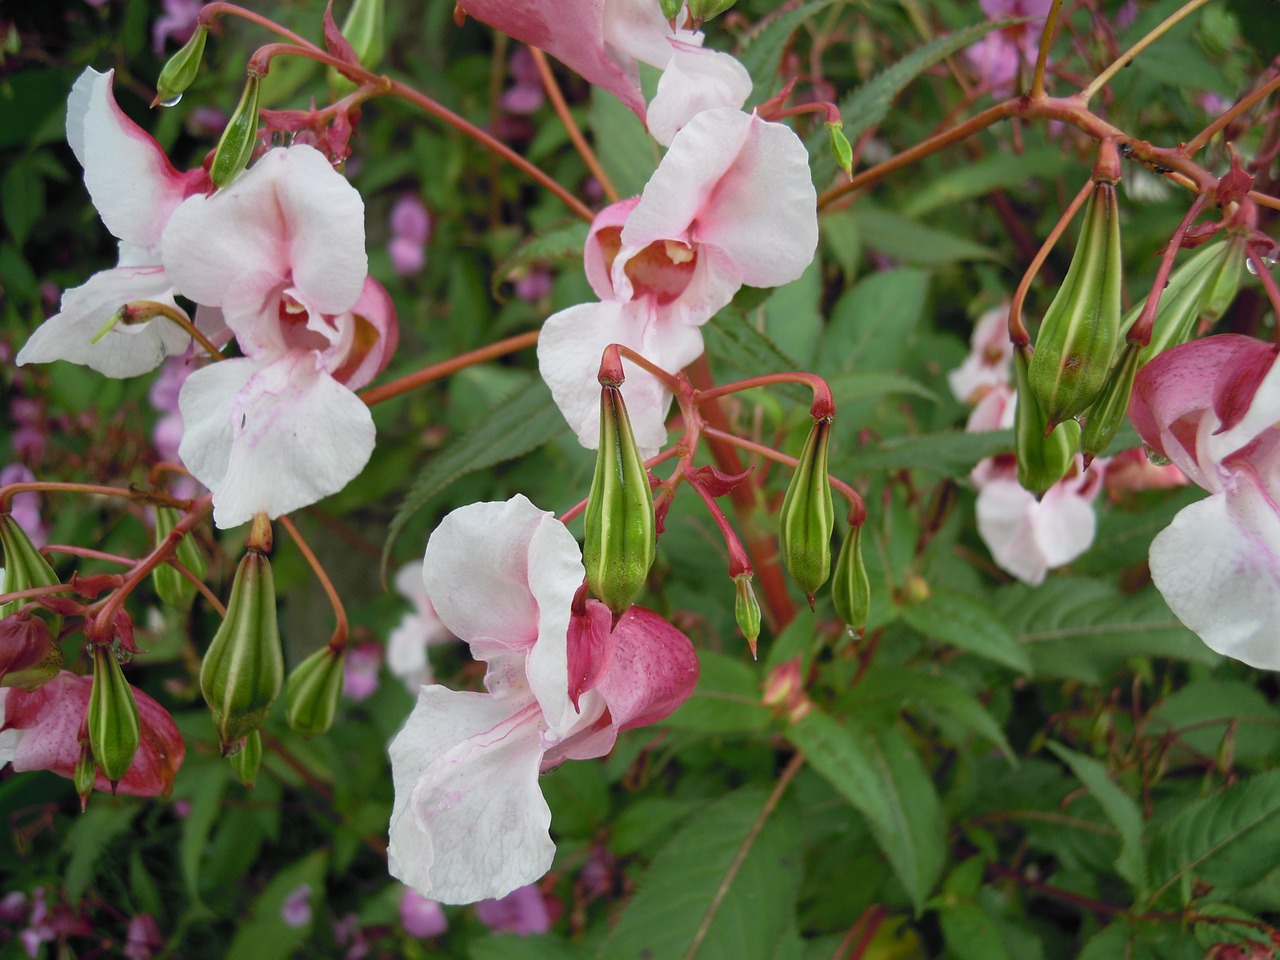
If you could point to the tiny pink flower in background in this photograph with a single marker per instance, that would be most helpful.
(348, 933)
(534, 284)
(1131, 471)
(144, 939)
(360, 677)
(410, 230)
(1002, 54)
(296, 909)
(28, 439)
(13, 907)
(987, 365)
(526, 95)
(522, 911)
(177, 23)
(1214, 104)
(25, 507)
(421, 917)
(407, 646)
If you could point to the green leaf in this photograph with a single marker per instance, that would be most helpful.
(1120, 809)
(968, 180)
(872, 325)
(544, 947)
(522, 421)
(1230, 840)
(204, 787)
(964, 622)
(265, 935)
(910, 242)
(692, 891)
(87, 840)
(879, 773)
(747, 352)
(623, 145)
(726, 699)
(551, 246)
(971, 933)
(763, 46)
(875, 384)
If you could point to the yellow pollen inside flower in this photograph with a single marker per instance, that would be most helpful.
(678, 252)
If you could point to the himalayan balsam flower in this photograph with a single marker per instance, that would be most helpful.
(407, 645)
(410, 228)
(1002, 54)
(1211, 406)
(295, 911)
(469, 822)
(523, 911)
(731, 203)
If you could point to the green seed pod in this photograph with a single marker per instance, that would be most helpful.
(1182, 301)
(172, 587)
(1226, 282)
(621, 532)
(243, 669)
(1102, 421)
(841, 149)
(746, 609)
(239, 138)
(85, 774)
(247, 758)
(114, 727)
(1042, 460)
(671, 8)
(1081, 329)
(808, 515)
(311, 696)
(850, 588)
(704, 10)
(24, 566)
(180, 72)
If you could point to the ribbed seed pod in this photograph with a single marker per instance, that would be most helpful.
(1042, 460)
(808, 515)
(311, 695)
(850, 588)
(114, 727)
(24, 566)
(238, 138)
(172, 587)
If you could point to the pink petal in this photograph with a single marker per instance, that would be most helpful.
(694, 80)
(421, 917)
(368, 335)
(591, 643)
(523, 911)
(654, 670)
(469, 822)
(603, 242)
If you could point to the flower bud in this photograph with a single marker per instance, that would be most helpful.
(850, 588)
(24, 566)
(180, 72)
(85, 774)
(671, 8)
(172, 587)
(28, 656)
(114, 727)
(239, 138)
(246, 758)
(1042, 460)
(703, 10)
(243, 669)
(1081, 329)
(808, 515)
(621, 534)
(841, 149)
(1102, 420)
(311, 697)
(746, 609)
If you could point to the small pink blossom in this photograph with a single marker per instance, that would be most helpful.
(144, 939)
(348, 933)
(534, 284)
(360, 677)
(523, 911)
(1002, 54)
(417, 631)
(524, 96)
(295, 911)
(421, 917)
(987, 364)
(177, 23)
(25, 507)
(410, 229)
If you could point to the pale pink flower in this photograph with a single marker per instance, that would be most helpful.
(524, 96)
(281, 252)
(348, 933)
(1000, 55)
(410, 228)
(523, 911)
(421, 917)
(144, 940)
(295, 911)
(407, 645)
(1132, 470)
(731, 203)
(1211, 407)
(360, 673)
(469, 822)
(25, 507)
(987, 364)
(177, 23)
(136, 190)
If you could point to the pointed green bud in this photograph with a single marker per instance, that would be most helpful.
(841, 148)
(850, 588)
(1203, 286)
(243, 669)
(246, 758)
(1081, 329)
(808, 516)
(180, 72)
(239, 138)
(1042, 460)
(704, 10)
(172, 587)
(747, 610)
(1103, 420)
(315, 685)
(114, 727)
(24, 566)
(621, 532)
(671, 8)
(85, 774)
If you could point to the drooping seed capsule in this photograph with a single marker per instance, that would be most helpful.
(239, 137)
(24, 566)
(841, 149)
(1226, 282)
(703, 10)
(621, 533)
(808, 515)
(1102, 420)
(180, 72)
(311, 695)
(746, 609)
(28, 656)
(850, 587)
(172, 587)
(1081, 329)
(1203, 286)
(246, 758)
(114, 727)
(85, 773)
(243, 669)
(1042, 460)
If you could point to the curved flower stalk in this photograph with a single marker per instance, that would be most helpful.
(1211, 407)
(136, 190)
(281, 252)
(605, 41)
(469, 822)
(731, 203)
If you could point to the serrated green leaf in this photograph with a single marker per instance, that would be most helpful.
(910, 242)
(726, 699)
(1230, 840)
(949, 454)
(265, 935)
(623, 146)
(962, 621)
(87, 840)
(1121, 810)
(880, 774)
(874, 384)
(689, 889)
(551, 246)
(522, 421)
(872, 325)
(762, 47)
(1109, 943)
(971, 933)
(747, 352)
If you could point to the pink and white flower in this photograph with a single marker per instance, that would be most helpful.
(1211, 407)
(731, 203)
(136, 190)
(988, 362)
(407, 645)
(281, 252)
(1002, 54)
(469, 822)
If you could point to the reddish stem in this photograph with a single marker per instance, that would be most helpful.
(1018, 335)
(1140, 333)
(342, 629)
(824, 404)
(436, 371)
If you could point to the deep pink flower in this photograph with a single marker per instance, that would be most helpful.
(522, 911)
(525, 95)
(1000, 55)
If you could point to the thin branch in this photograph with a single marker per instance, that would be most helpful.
(342, 629)
(1127, 57)
(438, 370)
(556, 97)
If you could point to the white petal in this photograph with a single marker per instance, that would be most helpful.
(1218, 566)
(469, 822)
(555, 573)
(125, 351)
(1005, 525)
(206, 401)
(695, 80)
